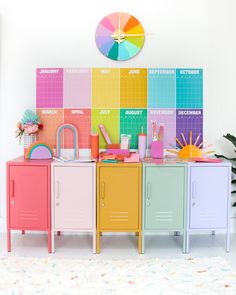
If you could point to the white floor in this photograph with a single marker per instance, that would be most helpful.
(119, 246)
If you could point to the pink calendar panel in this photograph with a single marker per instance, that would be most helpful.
(77, 88)
(49, 88)
(51, 119)
(81, 119)
(166, 117)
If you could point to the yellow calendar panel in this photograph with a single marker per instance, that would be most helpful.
(133, 88)
(105, 88)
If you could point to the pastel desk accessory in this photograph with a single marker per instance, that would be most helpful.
(142, 140)
(113, 146)
(191, 150)
(157, 149)
(105, 134)
(207, 160)
(110, 161)
(94, 137)
(39, 151)
(125, 141)
(75, 134)
(134, 158)
(156, 146)
(118, 152)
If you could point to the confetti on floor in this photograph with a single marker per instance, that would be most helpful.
(51, 275)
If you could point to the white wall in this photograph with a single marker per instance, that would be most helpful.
(54, 33)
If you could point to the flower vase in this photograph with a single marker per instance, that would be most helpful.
(28, 140)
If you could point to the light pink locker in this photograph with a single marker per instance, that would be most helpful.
(73, 197)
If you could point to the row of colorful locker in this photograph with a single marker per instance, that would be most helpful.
(117, 197)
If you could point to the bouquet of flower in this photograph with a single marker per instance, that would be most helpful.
(29, 124)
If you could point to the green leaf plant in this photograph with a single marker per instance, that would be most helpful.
(232, 139)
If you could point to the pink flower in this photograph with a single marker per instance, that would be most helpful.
(19, 125)
(31, 129)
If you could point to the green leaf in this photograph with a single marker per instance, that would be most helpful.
(234, 205)
(234, 170)
(233, 192)
(233, 181)
(231, 138)
(221, 156)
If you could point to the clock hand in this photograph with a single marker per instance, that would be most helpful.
(131, 35)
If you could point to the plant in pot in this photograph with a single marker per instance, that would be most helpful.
(28, 127)
(232, 139)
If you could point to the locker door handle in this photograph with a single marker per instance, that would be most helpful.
(148, 190)
(58, 190)
(102, 194)
(194, 194)
(12, 193)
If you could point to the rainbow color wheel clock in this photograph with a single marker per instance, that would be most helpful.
(120, 36)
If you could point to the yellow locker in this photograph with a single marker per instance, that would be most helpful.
(118, 199)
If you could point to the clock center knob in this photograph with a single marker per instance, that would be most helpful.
(118, 36)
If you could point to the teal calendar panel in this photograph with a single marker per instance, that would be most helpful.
(161, 88)
(189, 88)
(132, 121)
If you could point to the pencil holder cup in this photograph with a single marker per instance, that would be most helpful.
(157, 149)
(28, 140)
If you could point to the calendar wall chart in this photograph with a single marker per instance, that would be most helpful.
(125, 100)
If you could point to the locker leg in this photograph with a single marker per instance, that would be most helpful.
(49, 241)
(53, 241)
(228, 240)
(184, 243)
(143, 243)
(176, 233)
(187, 242)
(100, 233)
(8, 240)
(94, 242)
(213, 232)
(98, 243)
(136, 233)
(23, 232)
(140, 243)
(58, 233)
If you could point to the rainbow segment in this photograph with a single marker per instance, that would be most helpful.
(130, 30)
(39, 150)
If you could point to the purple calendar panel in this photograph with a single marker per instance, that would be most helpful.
(189, 120)
(49, 88)
(77, 88)
(166, 117)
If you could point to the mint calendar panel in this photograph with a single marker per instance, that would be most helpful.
(77, 84)
(161, 88)
(110, 119)
(189, 88)
(105, 88)
(167, 117)
(51, 119)
(132, 121)
(189, 120)
(81, 119)
(49, 88)
(133, 88)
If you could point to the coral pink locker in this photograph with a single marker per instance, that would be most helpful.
(73, 200)
(28, 197)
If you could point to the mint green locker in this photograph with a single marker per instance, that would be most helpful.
(164, 198)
